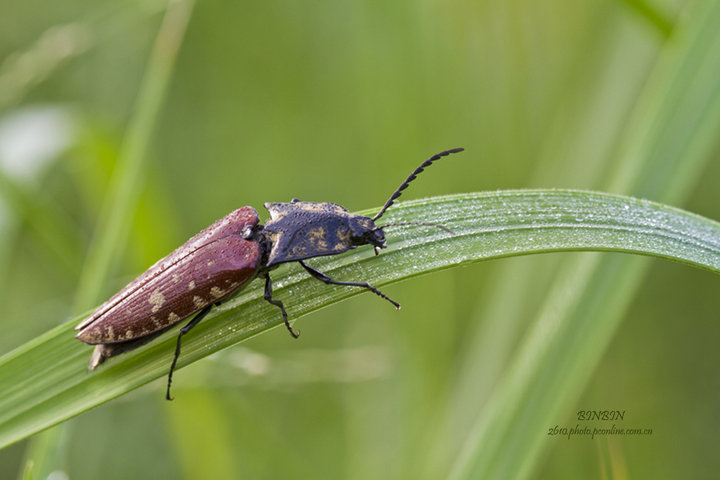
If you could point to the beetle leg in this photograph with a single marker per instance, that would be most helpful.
(196, 319)
(277, 303)
(324, 278)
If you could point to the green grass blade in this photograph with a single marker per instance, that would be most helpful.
(652, 13)
(668, 140)
(121, 199)
(587, 301)
(45, 381)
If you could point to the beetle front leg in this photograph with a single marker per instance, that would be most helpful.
(196, 319)
(324, 278)
(277, 303)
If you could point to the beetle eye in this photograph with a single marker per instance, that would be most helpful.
(247, 232)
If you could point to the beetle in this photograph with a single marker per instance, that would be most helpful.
(222, 259)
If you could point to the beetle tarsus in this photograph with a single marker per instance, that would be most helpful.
(325, 279)
(196, 319)
(279, 304)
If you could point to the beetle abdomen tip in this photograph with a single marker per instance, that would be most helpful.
(98, 356)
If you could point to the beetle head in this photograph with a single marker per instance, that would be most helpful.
(364, 232)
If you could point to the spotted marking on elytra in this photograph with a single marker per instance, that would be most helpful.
(191, 285)
(210, 263)
(173, 317)
(157, 299)
(93, 337)
(217, 292)
(198, 302)
(175, 278)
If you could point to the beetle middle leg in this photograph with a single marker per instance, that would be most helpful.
(196, 319)
(277, 303)
(324, 278)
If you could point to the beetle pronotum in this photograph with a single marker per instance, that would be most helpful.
(220, 260)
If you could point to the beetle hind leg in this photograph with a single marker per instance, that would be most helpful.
(196, 319)
(279, 304)
(324, 278)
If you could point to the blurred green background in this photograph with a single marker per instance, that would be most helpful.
(338, 101)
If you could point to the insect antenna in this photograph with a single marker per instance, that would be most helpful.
(412, 177)
(425, 224)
